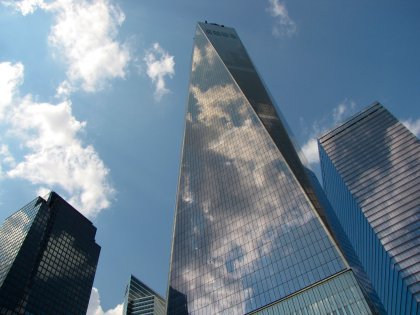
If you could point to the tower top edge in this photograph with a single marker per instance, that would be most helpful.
(351, 121)
(212, 25)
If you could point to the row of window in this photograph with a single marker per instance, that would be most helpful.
(369, 250)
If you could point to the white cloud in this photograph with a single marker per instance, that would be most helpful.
(64, 89)
(6, 158)
(91, 50)
(43, 191)
(55, 154)
(343, 111)
(25, 6)
(84, 34)
(309, 151)
(95, 307)
(159, 65)
(10, 77)
(6, 155)
(284, 25)
(413, 126)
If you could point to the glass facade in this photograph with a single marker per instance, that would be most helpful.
(140, 299)
(337, 295)
(346, 247)
(48, 259)
(248, 230)
(370, 166)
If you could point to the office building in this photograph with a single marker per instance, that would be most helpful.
(48, 259)
(249, 234)
(371, 174)
(142, 300)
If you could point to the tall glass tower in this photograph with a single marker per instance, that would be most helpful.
(371, 172)
(142, 300)
(249, 234)
(48, 258)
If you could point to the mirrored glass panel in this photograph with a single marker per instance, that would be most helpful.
(245, 233)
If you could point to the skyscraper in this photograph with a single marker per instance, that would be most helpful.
(48, 259)
(140, 299)
(249, 235)
(371, 174)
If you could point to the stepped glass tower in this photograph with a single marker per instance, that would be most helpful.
(48, 259)
(370, 167)
(249, 233)
(140, 299)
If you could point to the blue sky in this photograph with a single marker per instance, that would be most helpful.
(93, 93)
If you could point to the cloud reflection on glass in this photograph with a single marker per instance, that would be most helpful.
(246, 234)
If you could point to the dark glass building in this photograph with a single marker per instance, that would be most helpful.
(48, 259)
(142, 300)
(250, 235)
(371, 174)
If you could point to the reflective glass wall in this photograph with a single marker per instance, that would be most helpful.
(338, 295)
(50, 254)
(141, 299)
(20, 239)
(246, 233)
(370, 166)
